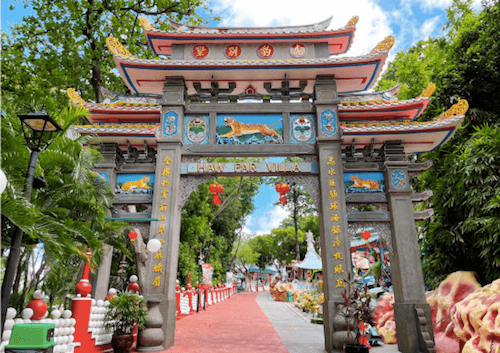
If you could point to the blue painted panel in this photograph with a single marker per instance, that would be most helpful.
(302, 128)
(196, 129)
(328, 122)
(170, 124)
(398, 179)
(135, 184)
(246, 129)
(364, 182)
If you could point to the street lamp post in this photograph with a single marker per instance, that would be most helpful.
(39, 130)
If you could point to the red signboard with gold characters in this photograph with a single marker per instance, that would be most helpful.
(200, 51)
(233, 51)
(298, 50)
(265, 51)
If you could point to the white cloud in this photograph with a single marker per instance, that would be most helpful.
(429, 26)
(435, 4)
(429, 5)
(263, 224)
(372, 27)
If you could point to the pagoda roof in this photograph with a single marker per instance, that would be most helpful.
(388, 95)
(126, 108)
(417, 137)
(161, 42)
(382, 109)
(189, 28)
(353, 74)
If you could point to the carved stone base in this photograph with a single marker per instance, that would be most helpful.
(151, 338)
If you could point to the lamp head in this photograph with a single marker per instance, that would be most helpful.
(39, 130)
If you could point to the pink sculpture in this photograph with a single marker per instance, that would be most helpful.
(477, 320)
(465, 316)
(384, 318)
(442, 301)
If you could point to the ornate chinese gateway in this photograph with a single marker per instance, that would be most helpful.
(233, 92)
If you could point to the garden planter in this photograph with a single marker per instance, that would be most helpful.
(356, 348)
(122, 344)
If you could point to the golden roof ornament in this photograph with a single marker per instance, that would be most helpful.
(429, 91)
(352, 22)
(146, 24)
(75, 98)
(384, 45)
(459, 108)
(117, 48)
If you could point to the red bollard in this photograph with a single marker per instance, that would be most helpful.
(178, 299)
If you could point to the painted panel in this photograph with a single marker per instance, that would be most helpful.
(364, 182)
(328, 122)
(249, 129)
(170, 124)
(135, 184)
(302, 128)
(196, 129)
(398, 179)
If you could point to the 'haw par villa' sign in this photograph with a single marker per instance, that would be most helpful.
(270, 92)
(249, 168)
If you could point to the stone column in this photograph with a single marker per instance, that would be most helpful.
(406, 268)
(335, 241)
(107, 170)
(161, 268)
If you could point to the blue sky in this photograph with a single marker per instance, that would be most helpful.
(408, 20)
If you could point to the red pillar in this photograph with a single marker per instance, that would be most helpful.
(178, 299)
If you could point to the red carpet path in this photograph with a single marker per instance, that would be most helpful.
(235, 325)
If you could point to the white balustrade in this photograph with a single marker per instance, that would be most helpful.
(97, 321)
(184, 304)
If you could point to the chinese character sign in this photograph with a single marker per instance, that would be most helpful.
(200, 51)
(265, 51)
(336, 230)
(233, 51)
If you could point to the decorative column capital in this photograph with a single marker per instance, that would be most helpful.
(325, 90)
(174, 91)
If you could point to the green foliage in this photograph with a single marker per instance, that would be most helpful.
(63, 44)
(299, 203)
(126, 311)
(464, 178)
(279, 245)
(68, 214)
(205, 230)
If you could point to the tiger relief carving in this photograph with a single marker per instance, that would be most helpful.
(365, 184)
(137, 184)
(240, 129)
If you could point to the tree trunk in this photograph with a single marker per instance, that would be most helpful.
(96, 82)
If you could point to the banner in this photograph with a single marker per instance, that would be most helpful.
(208, 273)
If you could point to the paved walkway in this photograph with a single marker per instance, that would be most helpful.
(235, 325)
(251, 322)
(296, 331)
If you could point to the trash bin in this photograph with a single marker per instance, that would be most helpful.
(289, 297)
(31, 338)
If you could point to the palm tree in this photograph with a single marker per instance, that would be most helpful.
(67, 212)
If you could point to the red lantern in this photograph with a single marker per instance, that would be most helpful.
(282, 189)
(132, 236)
(366, 235)
(216, 189)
